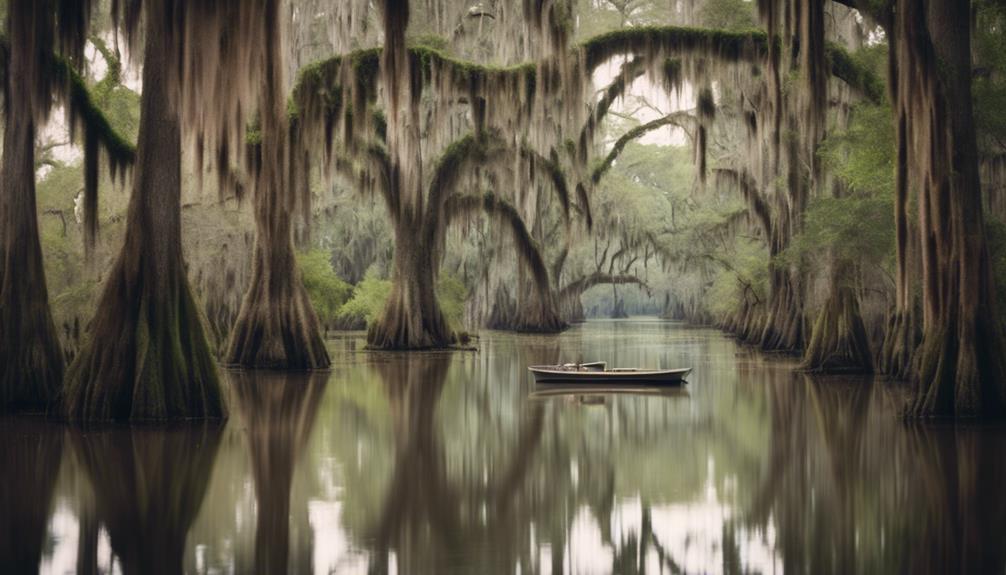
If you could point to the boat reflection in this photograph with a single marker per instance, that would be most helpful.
(593, 393)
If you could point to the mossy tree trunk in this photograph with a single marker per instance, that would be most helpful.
(784, 320)
(31, 362)
(960, 366)
(147, 357)
(838, 342)
(902, 335)
(277, 327)
(412, 318)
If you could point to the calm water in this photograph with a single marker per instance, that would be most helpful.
(456, 463)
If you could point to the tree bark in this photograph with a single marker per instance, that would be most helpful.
(960, 368)
(838, 342)
(147, 357)
(277, 327)
(31, 362)
(412, 318)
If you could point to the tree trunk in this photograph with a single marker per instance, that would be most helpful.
(838, 342)
(902, 337)
(412, 318)
(31, 363)
(783, 329)
(960, 365)
(147, 357)
(277, 326)
(524, 314)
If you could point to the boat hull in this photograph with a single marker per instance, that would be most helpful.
(548, 374)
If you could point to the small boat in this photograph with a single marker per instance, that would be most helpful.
(597, 372)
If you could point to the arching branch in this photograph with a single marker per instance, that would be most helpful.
(615, 90)
(757, 203)
(505, 214)
(675, 119)
(549, 168)
(98, 133)
(578, 287)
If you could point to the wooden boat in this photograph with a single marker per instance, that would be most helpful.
(597, 373)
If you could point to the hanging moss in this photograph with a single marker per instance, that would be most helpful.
(858, 76)
(673, 41)
(527, 250)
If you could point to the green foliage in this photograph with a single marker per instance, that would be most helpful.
(859, 70)
(367, 302)
(452, 293)
(995, 232)
(327, 291)
(728, 15)
(858, 227)
(431, 41)
(989, 43)
(742, 275)
(859, 224)
(864, 155)
(371, 294)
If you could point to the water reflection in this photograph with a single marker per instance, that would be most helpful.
(30, 458)
(148, 486)
(278, 412)
(456, 463)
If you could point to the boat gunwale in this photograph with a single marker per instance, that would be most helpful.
(545, 370)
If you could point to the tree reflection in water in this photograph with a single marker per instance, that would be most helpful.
(278, 411)
(851, 489)
(427, 519)
(148, 487)
(29, 464)
(452, 463)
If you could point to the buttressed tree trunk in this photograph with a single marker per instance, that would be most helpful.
(838, 342)
(147, 357)
(277, 327)
(412, 318)
(31, 363)
(960, 367)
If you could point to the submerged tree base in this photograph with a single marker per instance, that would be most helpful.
(956, 377)
(147, 358)
(838, 343)
(509, 315)
(277, 330)
(900, 341)
(412, 319)
(31, 363)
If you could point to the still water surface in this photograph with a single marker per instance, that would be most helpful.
(456, 463)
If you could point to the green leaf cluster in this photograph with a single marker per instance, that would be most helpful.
(327, 291)
(367, 301)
